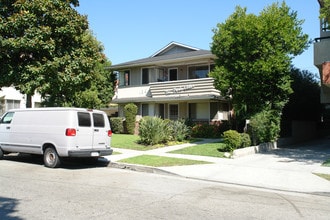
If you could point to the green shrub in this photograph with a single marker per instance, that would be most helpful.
(245, 140)
(130, 111)
(209, 131)
(265, 126)
(232, 140)
(117, 125)
(178, 130)
(205, 131)
(152, 130)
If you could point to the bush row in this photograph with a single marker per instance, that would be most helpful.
(209, 130)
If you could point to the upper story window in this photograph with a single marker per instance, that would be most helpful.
(124, 78)
(145, 76)
(197, 72)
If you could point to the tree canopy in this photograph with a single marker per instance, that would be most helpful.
(324, 9)
(46, 47)
(254, 54)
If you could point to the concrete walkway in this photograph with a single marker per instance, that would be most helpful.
(287, 169)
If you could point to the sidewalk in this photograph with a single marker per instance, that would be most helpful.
(286, 169)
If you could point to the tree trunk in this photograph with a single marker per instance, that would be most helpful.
(28, 101)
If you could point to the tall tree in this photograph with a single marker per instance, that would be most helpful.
(324, 8)
(254, 55)
(45, 46)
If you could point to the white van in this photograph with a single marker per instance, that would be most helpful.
(55, 133)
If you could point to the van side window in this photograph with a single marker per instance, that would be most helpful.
(84, 119)
(7, 118)
(98, 120)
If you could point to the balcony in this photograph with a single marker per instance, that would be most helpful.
(184, 90)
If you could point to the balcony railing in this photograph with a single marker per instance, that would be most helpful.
(183, 89)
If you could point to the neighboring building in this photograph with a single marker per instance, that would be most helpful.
(322, 58)
(172, 84)
(10, 98)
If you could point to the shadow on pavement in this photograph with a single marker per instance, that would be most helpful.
(67, 163)
(316, 151)
(8, 208)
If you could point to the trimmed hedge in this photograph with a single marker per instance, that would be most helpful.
(234, 140)
(209, 131)
(130, 111)
(117, 125)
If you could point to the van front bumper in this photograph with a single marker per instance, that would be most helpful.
(90, 153)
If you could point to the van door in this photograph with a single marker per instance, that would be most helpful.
(100, 131)
(5, 130)
(84, 131)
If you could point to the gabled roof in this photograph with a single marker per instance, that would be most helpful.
(172, 53)
(174, 47)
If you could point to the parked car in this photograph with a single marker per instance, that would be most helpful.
(56, 133)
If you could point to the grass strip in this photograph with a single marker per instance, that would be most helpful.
(325, 176)
(159, 161)
(208, 149)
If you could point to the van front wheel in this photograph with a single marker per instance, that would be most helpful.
(51, 158)
(1, 154)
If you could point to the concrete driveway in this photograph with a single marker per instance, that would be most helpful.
(286, 169)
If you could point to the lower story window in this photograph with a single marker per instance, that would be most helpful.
(12, 104)
(145, 109)
(174, 111)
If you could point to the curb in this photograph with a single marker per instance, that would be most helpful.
(140, 168)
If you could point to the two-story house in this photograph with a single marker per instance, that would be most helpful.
(322, 57)
(173, 84)
(11, 98)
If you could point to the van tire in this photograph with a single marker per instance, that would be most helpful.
(1, 154)
(51, 158)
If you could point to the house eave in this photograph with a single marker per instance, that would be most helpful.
(165, 62)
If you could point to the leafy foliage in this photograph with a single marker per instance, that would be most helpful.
(245, 140)
(325, 9)
(254, 55)
(209, 131)
(46, 47)
(130, 111)
(232, 140)
(153, 130)
(177, 130)
(265, 126)
(117, 125)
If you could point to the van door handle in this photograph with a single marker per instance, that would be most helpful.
(7, 128)
(96, 130)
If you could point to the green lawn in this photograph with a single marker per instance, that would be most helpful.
(158, 161)
(209, 149)
(128, 141)
(131, 142)
(326, 163)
